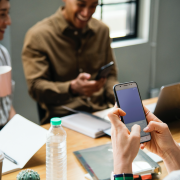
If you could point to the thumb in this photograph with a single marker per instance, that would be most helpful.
(135, 131)
(84, 76)
(155, 126)
(114, 116)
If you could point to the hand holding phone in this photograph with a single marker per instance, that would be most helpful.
(126, 145)
(83, 86)
(104, 71)
(128, 99)
(122, 142)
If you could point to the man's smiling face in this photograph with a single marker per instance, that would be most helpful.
(4, 17)
(79, 12)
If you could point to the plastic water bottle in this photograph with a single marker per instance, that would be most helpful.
(56, 156)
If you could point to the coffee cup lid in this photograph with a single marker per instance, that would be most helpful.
(1, 156)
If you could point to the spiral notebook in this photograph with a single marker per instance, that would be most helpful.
(98, 161)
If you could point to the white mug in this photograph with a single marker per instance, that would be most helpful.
(5, 81)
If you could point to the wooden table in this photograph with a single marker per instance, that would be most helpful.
(77, 141)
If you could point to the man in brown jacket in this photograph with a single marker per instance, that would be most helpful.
(62, 55)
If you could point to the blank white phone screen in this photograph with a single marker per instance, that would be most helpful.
(130, 102)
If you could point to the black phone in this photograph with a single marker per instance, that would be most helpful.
(104, 71)
(129, 100)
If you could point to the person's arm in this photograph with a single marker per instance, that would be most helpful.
(125, 144)
(37, 72)
(162, 142)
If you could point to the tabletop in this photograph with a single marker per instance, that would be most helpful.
(77, 141)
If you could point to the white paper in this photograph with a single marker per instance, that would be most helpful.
(8, 166)
(140, 166)
(20, 139)
(85, 124)
(103, 113)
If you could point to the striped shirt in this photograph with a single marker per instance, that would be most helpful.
(5, 102)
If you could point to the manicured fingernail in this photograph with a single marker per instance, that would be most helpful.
(146, 128)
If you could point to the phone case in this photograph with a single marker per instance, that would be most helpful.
(104, 71)
(116, 98)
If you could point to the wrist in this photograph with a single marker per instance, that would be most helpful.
(172, 159)
(177, 145)
(123, 168)
(123, 176)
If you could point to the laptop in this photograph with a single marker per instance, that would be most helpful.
(167, 108)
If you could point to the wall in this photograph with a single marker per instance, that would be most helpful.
(25, 14)
(134, 62)
(168, 43)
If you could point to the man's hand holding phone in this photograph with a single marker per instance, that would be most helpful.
(83, 86)
(104, 71)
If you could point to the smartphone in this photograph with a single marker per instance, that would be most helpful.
(104, 71)
(128, 99)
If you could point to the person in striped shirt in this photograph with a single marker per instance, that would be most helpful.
(6, 109)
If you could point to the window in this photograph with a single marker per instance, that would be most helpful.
(120, 16)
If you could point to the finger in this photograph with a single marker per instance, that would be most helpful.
(118, 112)
(145, 109)
(156, 126)
(115, 106)
(90, 84)
(102, 81)
(93, 85)
(142, 146)
(135, 131)
(88, 91)
(99, 86)
(114, 116)
(89, 87)
(84, 76)
(150, 116)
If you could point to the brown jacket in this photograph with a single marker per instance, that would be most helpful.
(54, 53)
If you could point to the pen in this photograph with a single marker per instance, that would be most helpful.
(9, 158)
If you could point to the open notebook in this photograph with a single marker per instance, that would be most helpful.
(20, 139)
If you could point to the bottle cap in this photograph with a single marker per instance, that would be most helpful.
(56, 121)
